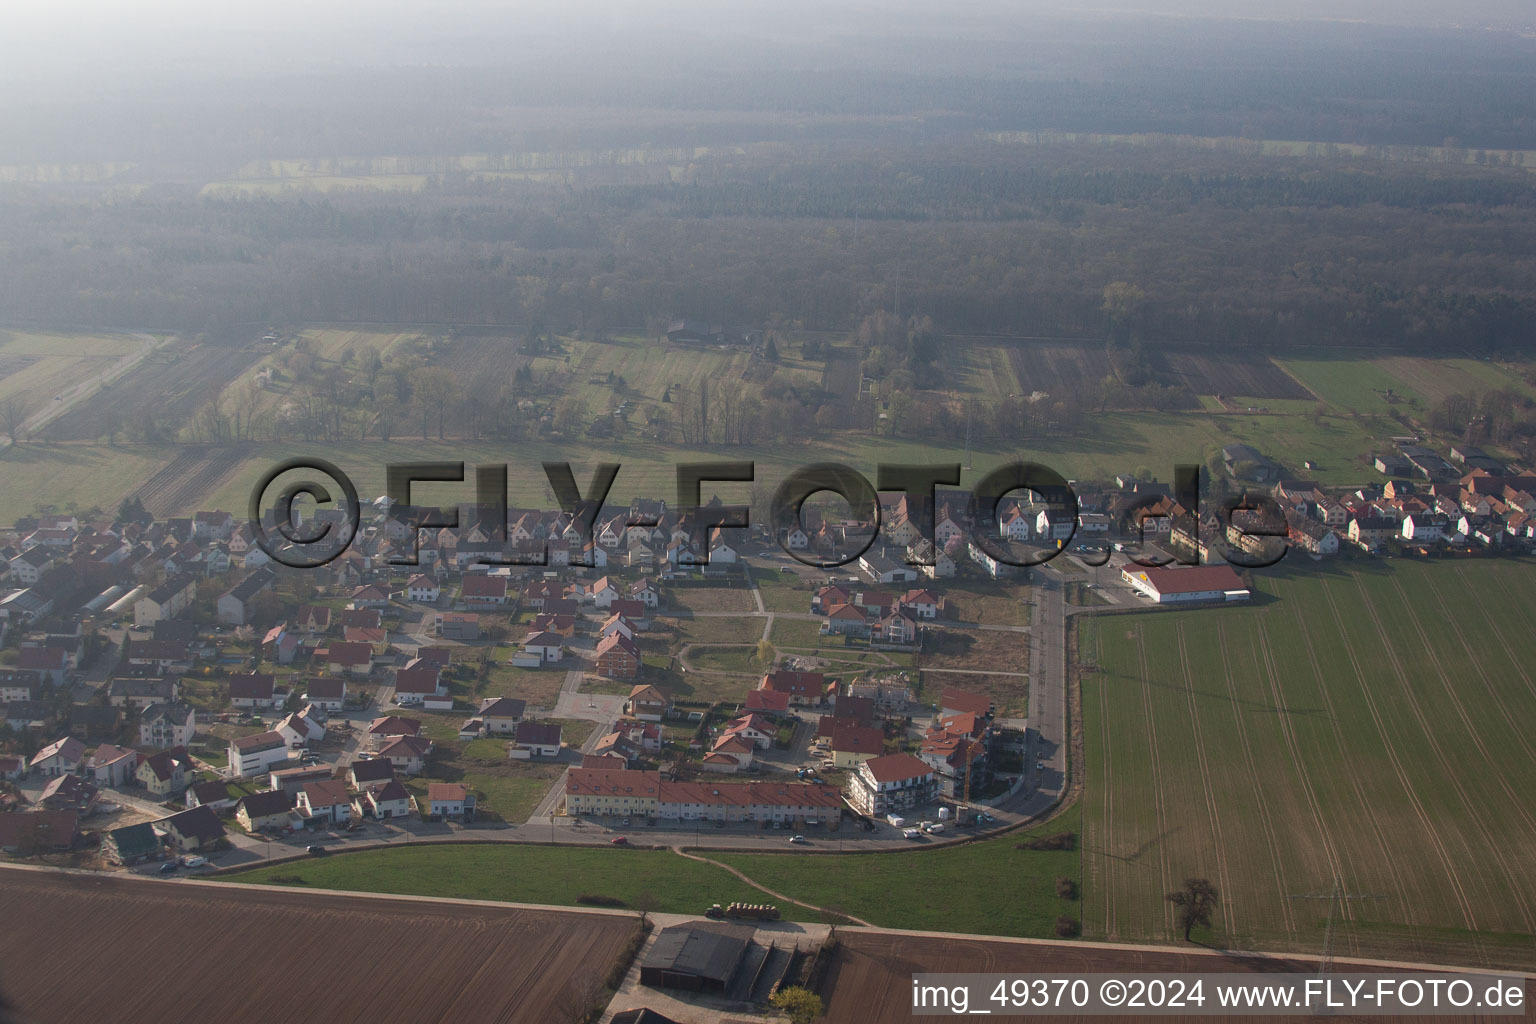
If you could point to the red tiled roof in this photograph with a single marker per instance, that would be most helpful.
(896, 767)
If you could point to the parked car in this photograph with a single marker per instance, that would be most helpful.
(1039, 766)
(170, 867)
(193, 862)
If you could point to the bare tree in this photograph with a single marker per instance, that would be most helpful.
(14, 414)
(1196, 903)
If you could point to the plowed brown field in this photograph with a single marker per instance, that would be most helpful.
(83, 948)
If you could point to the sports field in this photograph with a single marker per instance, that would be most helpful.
(1366, 726)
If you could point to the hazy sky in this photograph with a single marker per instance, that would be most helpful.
(73, 35)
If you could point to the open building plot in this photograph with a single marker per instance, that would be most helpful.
(1362, 728)
(343, 957)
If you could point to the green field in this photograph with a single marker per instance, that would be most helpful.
(1364, 725)
(989, 886)
(1351, 420)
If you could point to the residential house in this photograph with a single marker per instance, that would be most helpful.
(852, 743)
(264, 811)
(406, 753)
(647, 703)
(253, 690)
(196, 829)
(965, 702)
(132, 844)
(481, 590)
(327, 694)
(461, 626)
(345, 657)
(163, 774)
(801, 687)
(326, 800)
(535, 740)
(450, 801)
(603, 592)
(417, 682)
(113, 766)
(18, 685)
(618, 657)
(213, 794)
(501, 715)
(753, 728)
(256, 754)
(70, 792)
(370, 771)
(140, 693)
(546, 648)
(883, 569)
(369, 595)
(423, 589)
(39, 831)
(61, 757)
(291, 780)
(921, 603)
(50, 664)
(12, 768)
(890, 783)
(390, 728)
(382, 801)
(234, 605)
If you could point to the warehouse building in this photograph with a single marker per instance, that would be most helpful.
(697, 957)
(1186, 584)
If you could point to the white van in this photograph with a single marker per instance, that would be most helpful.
(911, 833)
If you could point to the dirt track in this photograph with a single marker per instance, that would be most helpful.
(82, 948)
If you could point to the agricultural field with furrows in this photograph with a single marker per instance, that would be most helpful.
(330, 947)
(37, 365)
(1361, 726)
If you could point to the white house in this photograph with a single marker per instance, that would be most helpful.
(534, 740)
(61, 757)
(326, 800)
(423, 590)
(253, 755)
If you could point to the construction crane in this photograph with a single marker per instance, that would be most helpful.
(1336, 898)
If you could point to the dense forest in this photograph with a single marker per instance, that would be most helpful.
(1220, 247)
(809, 180)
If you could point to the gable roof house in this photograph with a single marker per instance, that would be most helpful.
(534, 740)
(501, 715)
(618, 657)
(647, 703)
(268, 809)
(165, 601)
(253, 690)
(234, 604)
(61, 757)
(326, 800)
(198, 828)
(163, 774)
(348, 657)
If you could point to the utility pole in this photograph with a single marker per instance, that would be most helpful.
(1336, 898)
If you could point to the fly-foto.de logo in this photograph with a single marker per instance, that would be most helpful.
(1250, 527)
